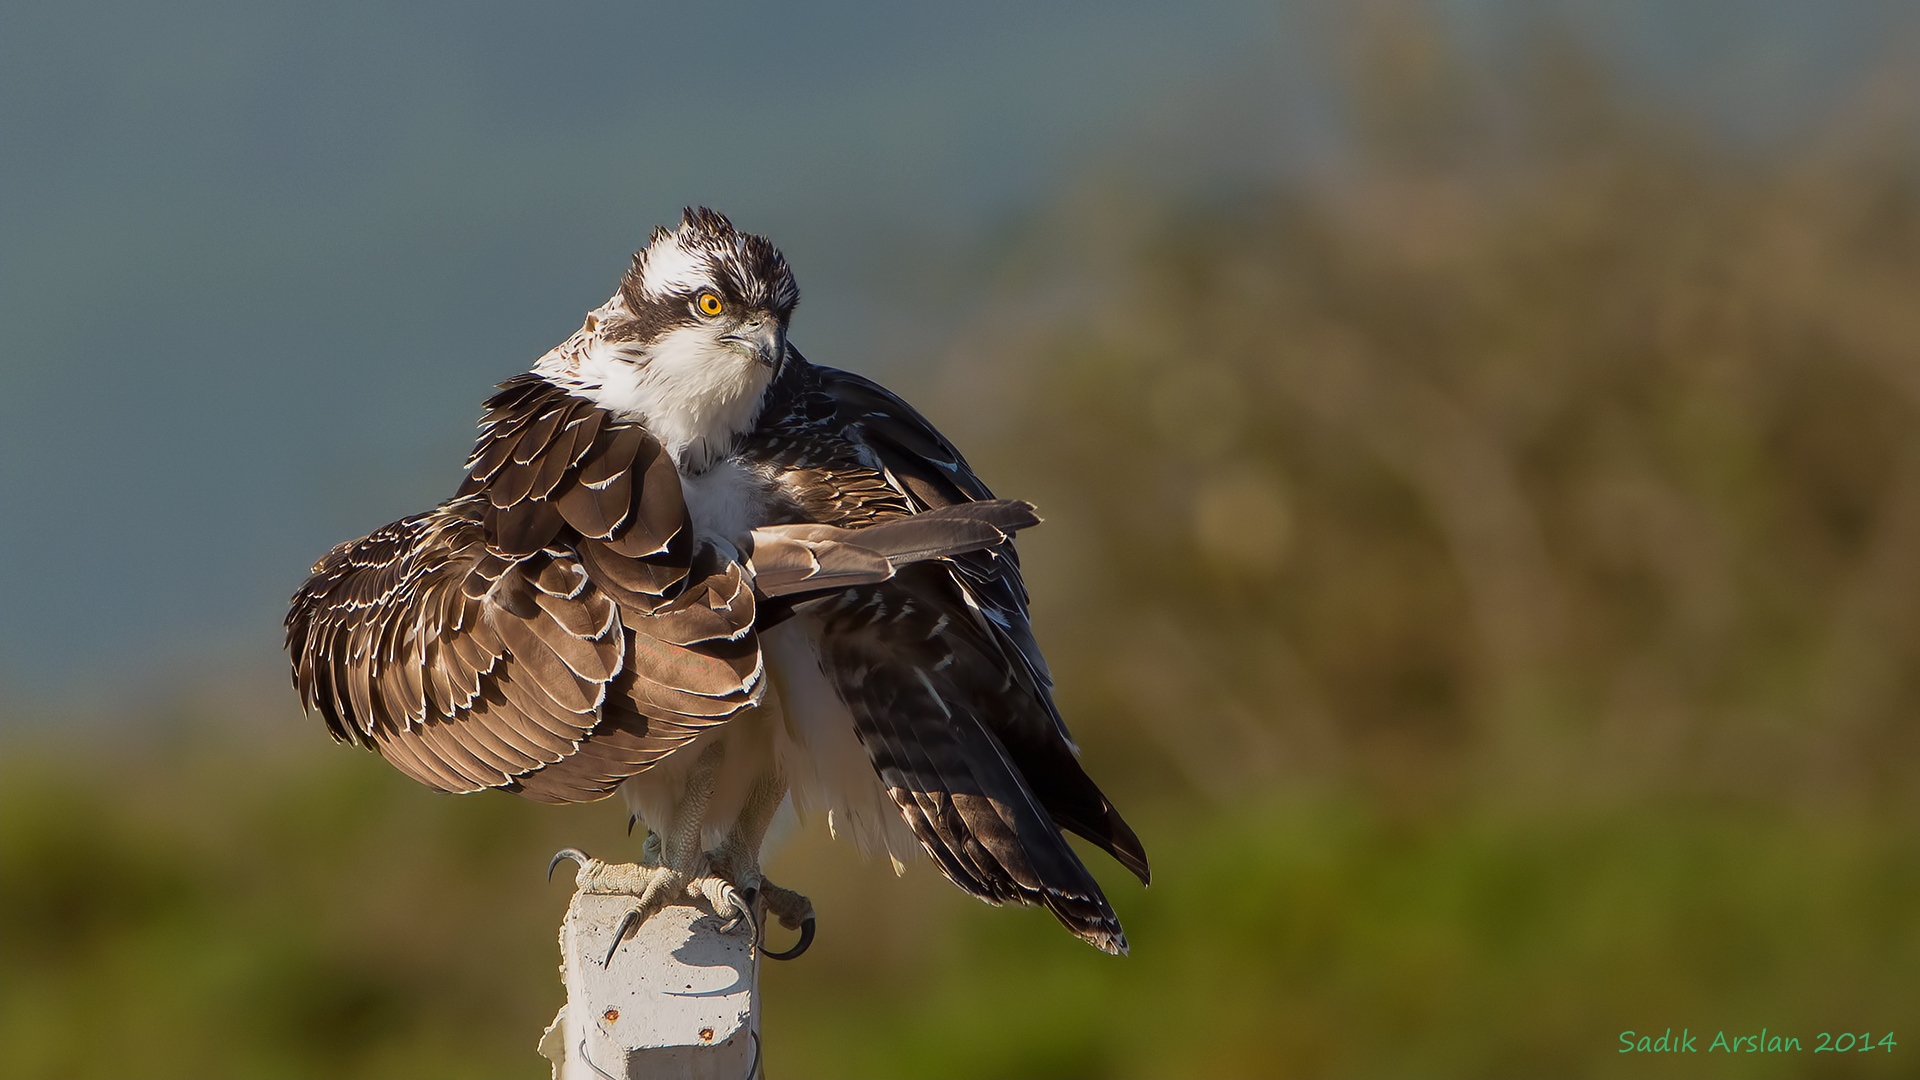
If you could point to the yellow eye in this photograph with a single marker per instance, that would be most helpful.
(710, 304)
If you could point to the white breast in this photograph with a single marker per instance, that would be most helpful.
(694, 393)
(727, 501)
(821, 755)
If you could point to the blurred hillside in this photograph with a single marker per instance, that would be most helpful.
(1551, 455)
(1484, 572)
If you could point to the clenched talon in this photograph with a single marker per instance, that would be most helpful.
(744, 917)
(742, 913)
(806, 940)
(727, 902)
(794, 911)
(578, 856)
(630, 920)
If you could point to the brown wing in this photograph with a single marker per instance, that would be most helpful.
(931, 703)
(939, 666)
(990, 601)
(794, 562)
(550, 630)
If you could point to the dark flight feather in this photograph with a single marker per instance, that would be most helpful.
(937, 660)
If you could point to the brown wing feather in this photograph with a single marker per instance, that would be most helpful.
(938, 663)
(929, 696)
(794, 560)
(548, 630)
(908, 446)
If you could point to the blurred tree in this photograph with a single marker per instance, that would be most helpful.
(1543, 457)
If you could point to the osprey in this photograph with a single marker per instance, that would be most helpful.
(690, 566)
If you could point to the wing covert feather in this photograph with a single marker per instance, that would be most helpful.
(476, 645)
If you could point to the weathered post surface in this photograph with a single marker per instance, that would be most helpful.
(677, 997)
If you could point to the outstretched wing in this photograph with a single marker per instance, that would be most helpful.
(551, 630)
(940, 669)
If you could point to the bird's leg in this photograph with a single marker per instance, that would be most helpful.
(723, 878)
(680, 845)
(685, 871)
(739, 856)
(673, 868)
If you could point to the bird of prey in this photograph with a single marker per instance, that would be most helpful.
(689, 565)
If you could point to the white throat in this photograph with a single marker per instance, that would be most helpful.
(696, 395)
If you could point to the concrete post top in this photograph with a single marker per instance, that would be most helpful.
(676, 998)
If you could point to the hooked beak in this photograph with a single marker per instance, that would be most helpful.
(762, 338)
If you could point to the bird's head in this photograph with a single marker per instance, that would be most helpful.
(693, 338)
(708, 288)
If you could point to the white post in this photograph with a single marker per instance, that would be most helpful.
(677, 997)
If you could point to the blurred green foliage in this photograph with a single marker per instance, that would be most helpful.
(1484, 573)
(319, 915)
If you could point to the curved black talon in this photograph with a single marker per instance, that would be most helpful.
(630, 919)
(806, 939)
(632, 819)
(575, 854)
(732, 925)
(746, 899)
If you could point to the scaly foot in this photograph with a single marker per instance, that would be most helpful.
(794, 911)
(653, 888)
